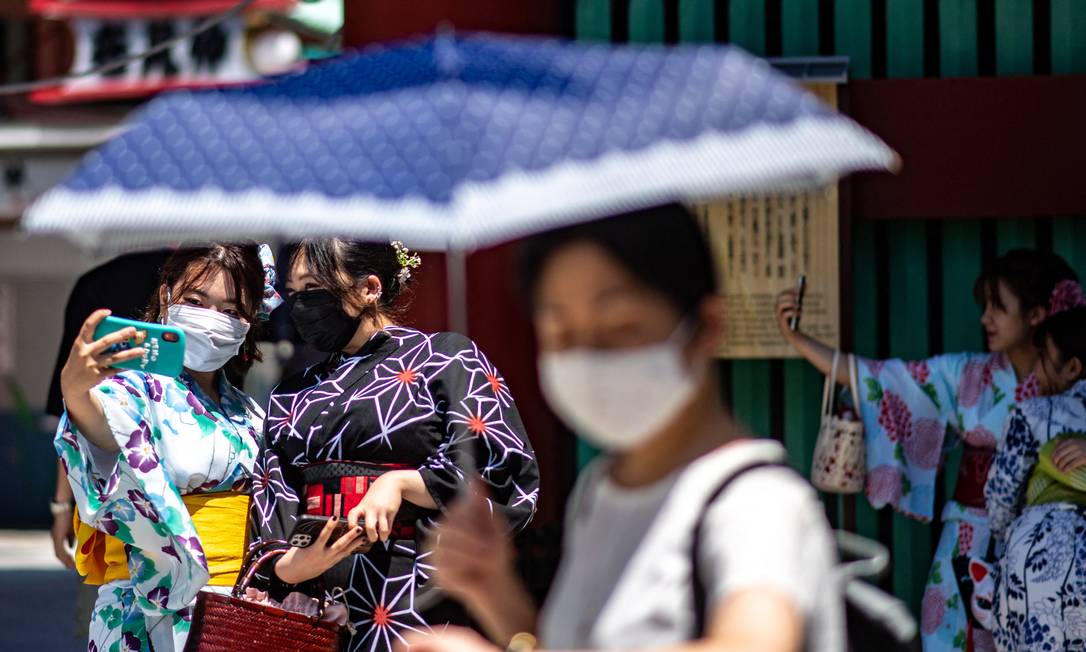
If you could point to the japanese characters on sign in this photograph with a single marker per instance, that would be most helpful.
(762, 245)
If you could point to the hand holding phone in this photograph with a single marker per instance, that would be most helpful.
(314, 551)
(801, 289)
(163, 346)
(307, 530)
(92, 360)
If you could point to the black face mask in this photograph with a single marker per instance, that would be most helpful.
(321, 321)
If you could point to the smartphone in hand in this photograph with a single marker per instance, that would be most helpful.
(801, 289)
(308, 527)
(164, 346)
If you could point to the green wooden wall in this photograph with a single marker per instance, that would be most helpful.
(912, 281)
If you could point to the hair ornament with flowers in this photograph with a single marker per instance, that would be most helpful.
(271, 299)
(1066, 295)
(407, 261)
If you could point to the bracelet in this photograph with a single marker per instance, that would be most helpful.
(521, 642)
(56, 508)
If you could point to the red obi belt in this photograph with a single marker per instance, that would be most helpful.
(972, 475)
(335, 488)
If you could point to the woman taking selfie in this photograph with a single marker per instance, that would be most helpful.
(380, 435)
(907, 408)
(1036, 498)
(688, 534)
(162, 465)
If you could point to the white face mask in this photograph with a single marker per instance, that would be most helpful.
(211, 338)
(617, 399)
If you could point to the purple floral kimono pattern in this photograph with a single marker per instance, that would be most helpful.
(908, 409)
(173, 440)
(1040, 579)
(427, 401)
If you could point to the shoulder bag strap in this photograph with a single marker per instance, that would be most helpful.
(701, 601)
(829, 386)
(854, 384)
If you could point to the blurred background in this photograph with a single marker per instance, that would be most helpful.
(983, 99)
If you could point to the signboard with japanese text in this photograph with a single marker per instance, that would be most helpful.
(762, 245)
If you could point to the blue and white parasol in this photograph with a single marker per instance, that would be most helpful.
(456, 142)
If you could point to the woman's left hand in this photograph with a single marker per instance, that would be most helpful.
(379, 506)
(1069, 455)
(452, 639)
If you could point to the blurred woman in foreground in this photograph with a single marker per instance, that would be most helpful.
(661, 551)
(161, 467)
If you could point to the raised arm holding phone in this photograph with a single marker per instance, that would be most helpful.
(915, 410)
(688, 534)
(122, 285)
(160, 465)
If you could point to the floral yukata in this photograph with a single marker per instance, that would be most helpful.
(430, 402)
(174, 440)
(1040, 581)
(907, 409)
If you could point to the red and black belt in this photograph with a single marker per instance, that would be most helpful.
(335, 488)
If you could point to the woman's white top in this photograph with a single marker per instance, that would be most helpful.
(625, 579)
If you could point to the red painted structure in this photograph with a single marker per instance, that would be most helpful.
(1018, 150)
(57, 45)
(366, 21)
(1007, 147)
(496, 318)
(143, 9)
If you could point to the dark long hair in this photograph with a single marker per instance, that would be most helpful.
(188, 267)
(663, 247)
(1030, 274)
(1067, 330)
(341, 265)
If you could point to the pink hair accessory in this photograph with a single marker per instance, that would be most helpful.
(1066, 295)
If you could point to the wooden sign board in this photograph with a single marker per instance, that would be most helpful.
(762, 244)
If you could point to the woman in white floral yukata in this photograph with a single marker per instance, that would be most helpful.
(160, 466)
(1036, 496)
(908, 408)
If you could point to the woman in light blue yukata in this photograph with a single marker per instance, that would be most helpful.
(161, 467)
(1036, 497)
(909, 407)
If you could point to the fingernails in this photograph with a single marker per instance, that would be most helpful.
(335, 518)
(358, 530)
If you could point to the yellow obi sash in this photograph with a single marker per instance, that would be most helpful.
(221, 520)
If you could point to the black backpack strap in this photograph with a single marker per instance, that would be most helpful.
(701, 601)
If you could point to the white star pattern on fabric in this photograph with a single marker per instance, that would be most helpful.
(430, 402)
(382, 608)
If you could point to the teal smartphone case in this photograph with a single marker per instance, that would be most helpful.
(165, 345)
